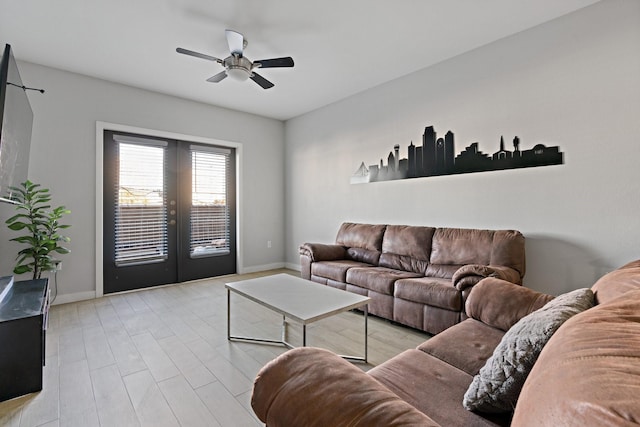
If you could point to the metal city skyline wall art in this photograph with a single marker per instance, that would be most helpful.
(436, 157)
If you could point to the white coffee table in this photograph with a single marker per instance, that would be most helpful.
(300, 300)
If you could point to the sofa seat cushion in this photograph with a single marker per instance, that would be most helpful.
(433, 387)
(467, 345)
(430, 291)
(442, 271)
(335, 270)
(379, 279)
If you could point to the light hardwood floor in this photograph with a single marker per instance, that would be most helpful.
(160, 357)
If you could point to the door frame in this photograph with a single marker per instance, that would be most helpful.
(100, 128)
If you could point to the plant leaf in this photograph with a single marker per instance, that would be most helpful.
(21, 269)
(17, 226)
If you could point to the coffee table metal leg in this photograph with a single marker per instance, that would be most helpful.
(366, 333)
(252, 339)
(228, 314)
(364, 359)
(283, 340)
(304, 335)
(284, 329)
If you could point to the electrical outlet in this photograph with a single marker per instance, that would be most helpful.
(269, 244)
(58, 265)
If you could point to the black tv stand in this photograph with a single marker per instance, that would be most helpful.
(23, 324)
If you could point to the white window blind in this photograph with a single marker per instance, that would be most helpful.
(209, 210)
(140, 211)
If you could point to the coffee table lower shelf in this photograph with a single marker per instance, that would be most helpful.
(361, 304)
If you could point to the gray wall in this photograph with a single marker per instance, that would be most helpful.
(63, 158)
(572, 82)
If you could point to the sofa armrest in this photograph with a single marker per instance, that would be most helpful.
(320, 252)
(617, 282)
(314, 387)
(468, 275)
(501, 304)
(313, 252)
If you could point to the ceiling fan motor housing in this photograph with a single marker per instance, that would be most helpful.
(238, 67)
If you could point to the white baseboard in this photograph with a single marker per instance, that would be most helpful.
(258, 268)
(78, 296)
(82, 296)
(293, 266)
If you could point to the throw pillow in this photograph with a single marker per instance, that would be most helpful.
(499, 382)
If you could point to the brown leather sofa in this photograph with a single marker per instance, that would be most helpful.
(416, 276)
(588, 374)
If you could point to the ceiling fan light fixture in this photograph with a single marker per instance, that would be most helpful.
(238, 73)
(237, 66)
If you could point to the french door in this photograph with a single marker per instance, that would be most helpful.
(169, 211)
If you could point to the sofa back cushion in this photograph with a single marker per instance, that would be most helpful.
(508, 249)
(589, 371)
(406, 248)
(455, 247)
(363, 241)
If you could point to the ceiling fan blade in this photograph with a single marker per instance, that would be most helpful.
(218, 77)
(275, 62)
(266, 84)
(198, 55)
(235, 41)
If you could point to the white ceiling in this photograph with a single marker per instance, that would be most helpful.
(340, 47)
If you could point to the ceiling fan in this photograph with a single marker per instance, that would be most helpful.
(237, 66)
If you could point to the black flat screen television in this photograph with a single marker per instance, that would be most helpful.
(16, 122)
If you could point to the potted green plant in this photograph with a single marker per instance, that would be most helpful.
(42, 226)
